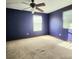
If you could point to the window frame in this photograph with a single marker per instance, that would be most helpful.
(70, 10)
(40, 26)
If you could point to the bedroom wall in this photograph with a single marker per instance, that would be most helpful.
(19, 24)
(56, 24)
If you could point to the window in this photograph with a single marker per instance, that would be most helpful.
(37, 23)
(67, 19)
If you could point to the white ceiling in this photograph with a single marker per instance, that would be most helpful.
(51, 5)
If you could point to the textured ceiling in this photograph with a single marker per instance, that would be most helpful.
(51, 5)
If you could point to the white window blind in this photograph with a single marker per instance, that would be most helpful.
(37, 23)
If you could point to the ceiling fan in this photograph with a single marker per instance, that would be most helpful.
(34, 6)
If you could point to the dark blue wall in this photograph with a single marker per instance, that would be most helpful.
(19, 23)
(56, 23)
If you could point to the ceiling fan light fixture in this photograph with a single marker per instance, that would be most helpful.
(33, 10)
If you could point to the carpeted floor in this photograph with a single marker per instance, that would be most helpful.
(42, 47)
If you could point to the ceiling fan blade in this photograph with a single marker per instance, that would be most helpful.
(26, 8)
(32, 1)
(26, 3)
(40, 4)
(39, 9)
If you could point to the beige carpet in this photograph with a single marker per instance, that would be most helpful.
(42, 47)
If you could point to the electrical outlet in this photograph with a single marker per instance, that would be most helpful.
(27, 33)
(59, 34)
